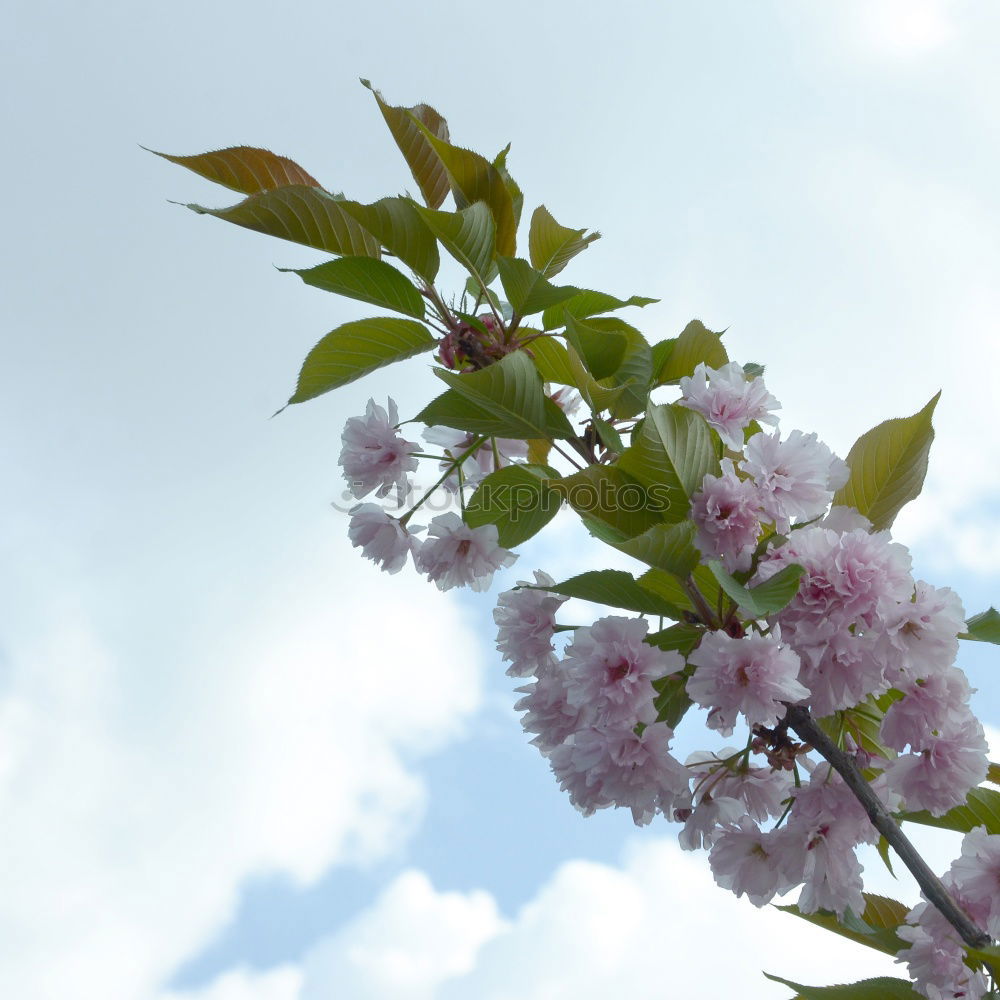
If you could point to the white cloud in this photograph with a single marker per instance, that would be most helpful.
(407, 944)
(282, 983)
(655, 926)
(138, 795)
(904, 28)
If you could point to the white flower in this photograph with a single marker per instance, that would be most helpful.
(374, 455)
(460, 556)
(380, 537)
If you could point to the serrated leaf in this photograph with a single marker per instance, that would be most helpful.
(766, 598)
(681, 637)
(608, 435)
(673, 451)
(877, 927)
(668, 587)
(452, 409)
(517, 500)
(354, 349)
(984, 627)
(993, 773)
(888, 465)
(245, 169)
(398, 227)
(601, 351)
(528, 291)
(672, 700)
(607, 494)
(882, 988)
(305, 215)
(589, 303)
(424, 163)
(981, 808)
(661, 353)
(551, 246)
(468, 235)
(516, 194)
(635, 371)
(883, 853)
(474, 179)
(668, 547)
(598, 395)
(613, 587)
(552, 360)
(696, 345)
(512, 390)
(368, 280)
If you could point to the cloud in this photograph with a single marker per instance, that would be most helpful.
(903, 28)
(138, 794)
(655, 926)
(282, 983)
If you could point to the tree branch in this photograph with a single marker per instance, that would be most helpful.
(801, 722)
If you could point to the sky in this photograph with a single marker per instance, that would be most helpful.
(237, 762)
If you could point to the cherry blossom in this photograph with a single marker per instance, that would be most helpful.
(374, 456)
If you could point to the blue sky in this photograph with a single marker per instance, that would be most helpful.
(237, 763)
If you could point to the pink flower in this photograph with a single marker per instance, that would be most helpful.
(460, 556)
(827, 806)
(936, 956)
(748, 861)
(374, 455)
(842, 672)
(976, 877)
(547, 711)
(727, 513)
(832, 878)
(526, 619)
(934, 704)
(610, 670)
(842, 519)
(925, 629)
(380, 537)
(601, 766)
(796, 477)
(754, 675)
(729, 401)
(941, 774)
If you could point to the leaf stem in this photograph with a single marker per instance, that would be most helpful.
(799, 719)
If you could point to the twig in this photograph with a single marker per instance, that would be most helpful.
(799, 719)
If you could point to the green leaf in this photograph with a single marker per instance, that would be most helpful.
(673, 452)
(612, 587)
(516, 194)
(666, 546)
(877, 928)
(527, 289)
(993, 774)
(551, 246)
(512, 390)
(474, 179)
(635, 371)
(552, 360)
(354, 349)
(608, 436)
(670, 588)
(245, 169)
(681, 637)
(601, 351)
(672, 700)
(424, 163)
(607, 494)
(306, 215)
(984, 627)
(452, 409)
(888, 465)
(696, 345)
(981, 808)
(588, 303)
(397, 225)
(517, 500)
(598, 395)
(767, 597)
(661, 353)
(366, 279)
(882, 988)
(468, 235)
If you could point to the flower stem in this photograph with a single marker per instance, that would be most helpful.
(799, 719)
(447, 472)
